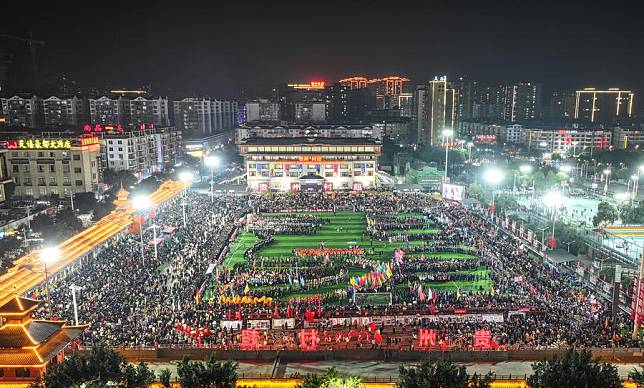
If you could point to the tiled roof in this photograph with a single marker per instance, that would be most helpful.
(58, 342)
(41, 330)
(18, 304)
(19, 357)
(14, 336)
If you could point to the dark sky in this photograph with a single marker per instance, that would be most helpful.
(219, 47)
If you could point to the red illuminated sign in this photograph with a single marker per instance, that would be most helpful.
(250, 339)
(328, 186)
(263, 187)
(87, 141)
(296, 186)
(357, 186)
(309, 339)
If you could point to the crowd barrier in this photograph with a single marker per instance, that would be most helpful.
(170, 353)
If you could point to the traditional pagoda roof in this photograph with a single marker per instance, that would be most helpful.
(121, 201)
(30, 342)
(18, 306)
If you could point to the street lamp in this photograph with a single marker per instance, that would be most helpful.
(554, 199)
(141, 203)
(49, 256)
(212, 162)
(447, 133)
(607, 174)
(186, 177)
(493, 176)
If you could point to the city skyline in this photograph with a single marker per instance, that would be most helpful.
(224, 51)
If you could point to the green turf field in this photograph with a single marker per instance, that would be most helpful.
(347, 229)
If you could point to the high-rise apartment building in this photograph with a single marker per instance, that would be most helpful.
(202, 116)
(522, 102)
(65, 111)
(141, 151)
(23, 112)
(466, 89)
(562, 105)
(603, 106)
(107, 111)
(262, 110)
(489, 102)
(142, 111)
(437, 104)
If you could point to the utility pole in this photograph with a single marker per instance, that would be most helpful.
(75, 288)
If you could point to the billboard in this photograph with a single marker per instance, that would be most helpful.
(453, 192)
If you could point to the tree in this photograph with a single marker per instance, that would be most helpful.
(85, 202)
(574, 369)
(631, 214)
(606, 213)
(212, 373)
(114, 179)
(99, 367)
(137, 377)
(637, 375)
(331, 379)
(441, 373)
(164, 378)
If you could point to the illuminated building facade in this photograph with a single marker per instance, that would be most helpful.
(64, 111)
(141, 110)
(301, 164)
(344, 131)
(22, 112)
(565, 140)
(628, 138)
(202, 116)
(141, 151)
(389, 90)
(522, 102)
(310, 112)
(53, 164)
(262, 110)
(107, 111)
(603, 106)
(436, 103)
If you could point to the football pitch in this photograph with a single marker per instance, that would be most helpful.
(344, 230)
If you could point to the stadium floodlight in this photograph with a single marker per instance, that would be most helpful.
(141, 202)
(186, 176)
(212, 161)
(554, 199)
(493, 176)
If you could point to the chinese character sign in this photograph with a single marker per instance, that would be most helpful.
(249, 340)
(309, 339)
(296, 186)
(38, 144)
(426, 338)
(482, 339)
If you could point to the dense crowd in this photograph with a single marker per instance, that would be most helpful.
(130, 300)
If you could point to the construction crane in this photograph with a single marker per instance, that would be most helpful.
(31, 44)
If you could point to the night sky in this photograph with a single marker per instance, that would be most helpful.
(219, 48)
